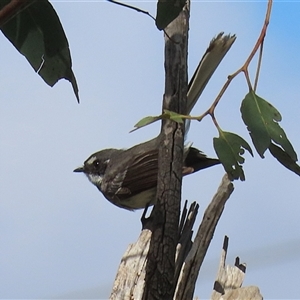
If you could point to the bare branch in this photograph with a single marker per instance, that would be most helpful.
(193, 262)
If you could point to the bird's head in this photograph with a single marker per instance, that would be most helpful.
(94, 167)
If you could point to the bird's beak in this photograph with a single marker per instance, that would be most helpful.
(79, 170)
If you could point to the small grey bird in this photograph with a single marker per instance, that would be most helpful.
(128, 178)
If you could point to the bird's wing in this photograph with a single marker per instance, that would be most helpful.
(140, 175)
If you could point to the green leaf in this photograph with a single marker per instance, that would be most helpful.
(146, 121)
(178, 118)
(229, 148)
(284, 158)
(37, 33)
(167, 11)
(151, 119)
(262, 119)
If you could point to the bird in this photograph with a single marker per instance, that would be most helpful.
(128, 177)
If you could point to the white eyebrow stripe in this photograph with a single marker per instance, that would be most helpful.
(92, 159)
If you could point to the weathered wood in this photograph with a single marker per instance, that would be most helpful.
(189, 272)
(185, 236)
(129, 282)
(243, 293)
(130, 278)
(229, 280)
(160, 269)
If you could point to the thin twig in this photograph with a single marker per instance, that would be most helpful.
(261, 36)
(258, 66)
(132, 7)
(141, 11)
(244, 68)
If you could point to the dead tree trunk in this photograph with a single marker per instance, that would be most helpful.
(164, 219)
(130, 280)
(228, 284)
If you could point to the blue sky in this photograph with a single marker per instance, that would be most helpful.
(59, 238)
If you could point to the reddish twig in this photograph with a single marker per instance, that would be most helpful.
(243, 69)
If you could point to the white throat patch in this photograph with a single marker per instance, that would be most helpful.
(95, 179)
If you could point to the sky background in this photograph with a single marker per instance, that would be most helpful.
(59, 237)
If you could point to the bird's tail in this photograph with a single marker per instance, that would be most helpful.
(197, 160)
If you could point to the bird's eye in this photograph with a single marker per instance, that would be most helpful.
(96, 163)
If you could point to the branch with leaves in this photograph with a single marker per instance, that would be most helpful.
(261, 118)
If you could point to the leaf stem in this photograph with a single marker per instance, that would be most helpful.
(132, 7)
(258, 66)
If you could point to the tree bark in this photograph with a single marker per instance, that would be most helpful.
(160, 269)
